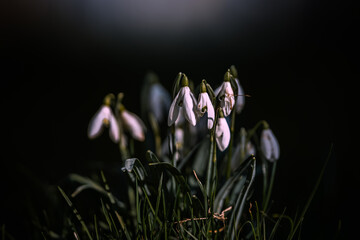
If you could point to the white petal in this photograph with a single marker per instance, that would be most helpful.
(218, 89)
(114, 129)
(240, 99)
(159, 101)
(181, 119)
(188, 106)
(202, 103)
(134, 125)
(269, 145)
(226, 97)
(195, 103)
(222, 134)
(276, 147)
(129, 164)
(210, 112)
(179, 138)
(229, 100)
(174, 108)
(97, 122)
(250, 149)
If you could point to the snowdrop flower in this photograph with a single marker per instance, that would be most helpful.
(269, 144)
(132, 123)
(129, 164)
(226, 95)
(155, 98)
(240, 98)
(185, 102)
(104, 117)
(222, 132)
(242, 151)
(205, 105)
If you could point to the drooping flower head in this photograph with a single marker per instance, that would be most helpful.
(240, 98)
(205, 105)
(269, 144)
(243, 150)
(225, 94)
(104, 117)
(185, 102)
(131, 122)
(222, 132)
(155, 99)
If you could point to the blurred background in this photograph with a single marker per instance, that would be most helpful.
(297, 59)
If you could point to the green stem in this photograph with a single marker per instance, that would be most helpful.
(209, 172)
(266, 203)
(232, 130)
(264, 169)
(253, 130)
(173, 143)
(156, 131)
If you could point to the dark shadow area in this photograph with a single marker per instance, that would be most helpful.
(59, 59)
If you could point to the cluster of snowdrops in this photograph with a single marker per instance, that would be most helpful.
(197, 179)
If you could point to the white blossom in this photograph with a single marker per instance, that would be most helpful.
(240, 98)
(243, 150)
(226, 95)
(133, 124)
(222, 133)
(269, 145)
(104, 117)
(185, 102)
(159, 101)
(205, 104)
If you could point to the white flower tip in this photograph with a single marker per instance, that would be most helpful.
(129, 164)
(269, 145)
(222, 134)
(134, 125)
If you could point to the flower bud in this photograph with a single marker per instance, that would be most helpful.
(269, 144)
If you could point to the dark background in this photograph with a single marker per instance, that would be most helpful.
(295, 58)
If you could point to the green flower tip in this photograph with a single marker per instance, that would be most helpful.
(108, 98)
(203, 86)
(121, 107)
(227, 76)
(265, 125)
(221, 113)
(233, 71)
(151, 77)
(184, 81)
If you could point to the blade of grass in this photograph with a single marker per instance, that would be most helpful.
(184, 229)
(312, 194)
(106, 215)
(203, 192)
(273, 231)
(123, 225)
(138, 217)
(77, 214)
(159, 195)
(113, 223)
(240, 203)
(228, 185)
(96, 227)
(165, 216)
(267, 199)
